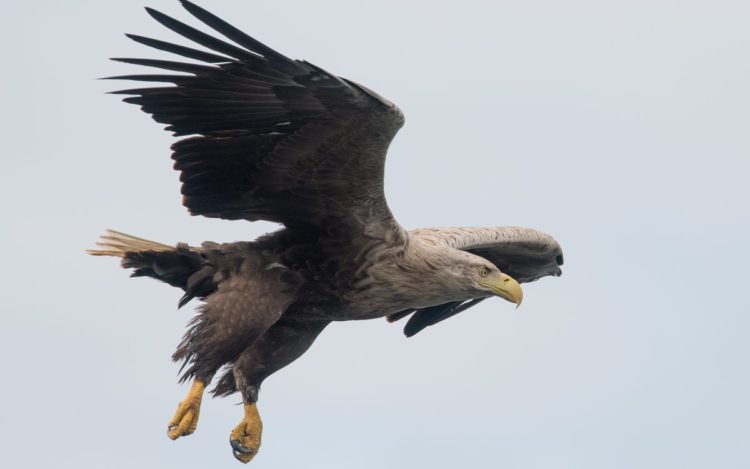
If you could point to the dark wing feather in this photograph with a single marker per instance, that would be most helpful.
(523, 253)
(179, 50)
(434, 314)
(272, 138)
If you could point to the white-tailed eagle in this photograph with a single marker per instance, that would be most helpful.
(271, 138)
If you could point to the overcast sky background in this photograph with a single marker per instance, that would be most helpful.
(619, 127)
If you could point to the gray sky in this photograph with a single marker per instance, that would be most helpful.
(619, 127)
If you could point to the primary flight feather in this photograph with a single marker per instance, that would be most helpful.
(271, 138)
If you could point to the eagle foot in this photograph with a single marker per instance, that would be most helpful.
(245, 438)
(185, 420)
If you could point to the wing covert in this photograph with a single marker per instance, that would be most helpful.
(523, 253)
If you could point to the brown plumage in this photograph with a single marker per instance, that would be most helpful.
(283, 140)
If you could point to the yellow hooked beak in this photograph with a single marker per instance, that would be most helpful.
(506, 287)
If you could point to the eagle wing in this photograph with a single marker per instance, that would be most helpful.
(523, 253)
(271, 138)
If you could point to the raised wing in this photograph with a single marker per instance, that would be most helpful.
(523, 253)
(273, 138)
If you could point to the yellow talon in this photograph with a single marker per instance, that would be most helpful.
(245, 438)
(185, 420)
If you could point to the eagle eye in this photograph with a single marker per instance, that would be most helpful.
(484, 271)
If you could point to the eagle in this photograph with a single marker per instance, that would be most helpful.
(282, 140)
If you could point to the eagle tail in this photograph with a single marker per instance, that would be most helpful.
(180, 266)
(117, 244)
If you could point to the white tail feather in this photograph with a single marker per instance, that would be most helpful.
(114, 243)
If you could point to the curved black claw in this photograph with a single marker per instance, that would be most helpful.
(237, 446)
(240, 451)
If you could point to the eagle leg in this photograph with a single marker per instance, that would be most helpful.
(283, 343)
(245, 438)
(185, 420)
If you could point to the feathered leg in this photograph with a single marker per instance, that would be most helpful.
(283, 343)
(244, 306)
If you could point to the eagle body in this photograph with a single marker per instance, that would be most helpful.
(282, 140)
